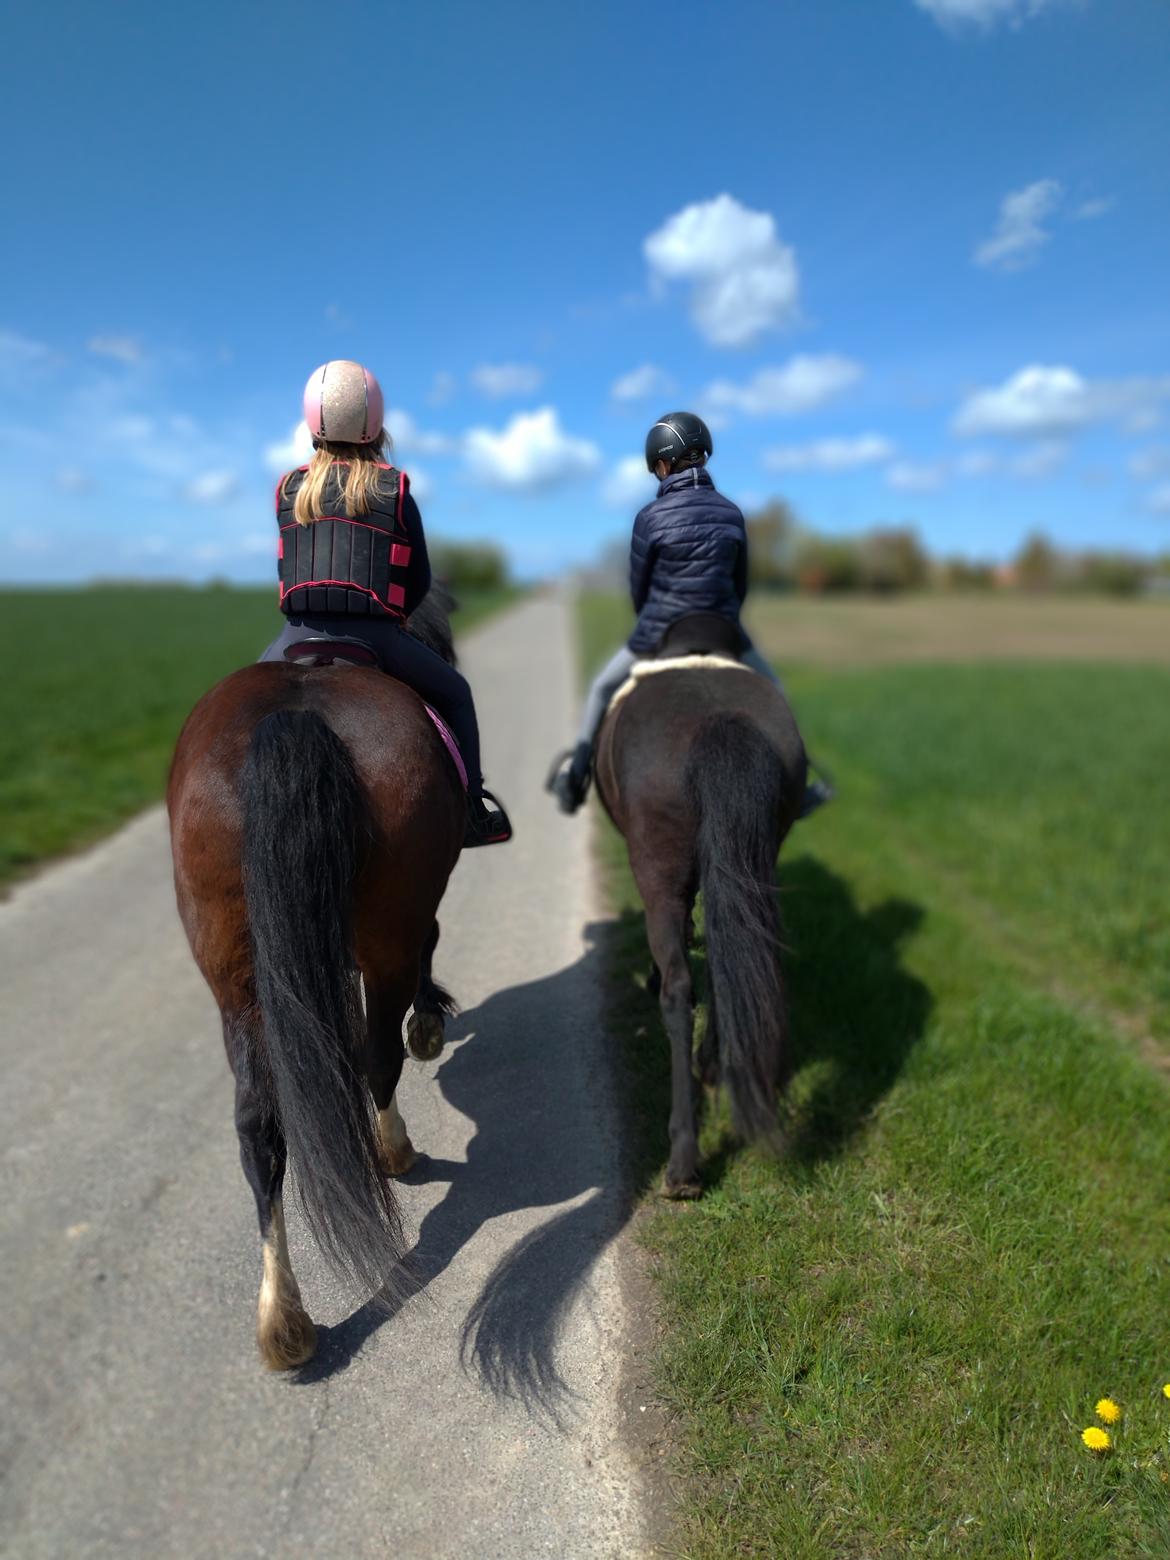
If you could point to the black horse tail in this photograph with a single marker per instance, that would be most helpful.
(303, 815)
(734, 778)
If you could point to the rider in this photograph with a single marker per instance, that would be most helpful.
(342, 576)
(688, 555)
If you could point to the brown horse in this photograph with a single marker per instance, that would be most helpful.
(315, 819)
(702, 769)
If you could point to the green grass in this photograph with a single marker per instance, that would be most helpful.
(96, 685)
(889, 1342)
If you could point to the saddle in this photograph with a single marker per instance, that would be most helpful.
(321, 651)
(701, 633)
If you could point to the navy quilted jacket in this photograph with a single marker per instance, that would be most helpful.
(688, 554)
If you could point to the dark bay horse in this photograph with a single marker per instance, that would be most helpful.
(702, 769)
(315, 819)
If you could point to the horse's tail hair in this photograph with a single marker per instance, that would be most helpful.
(734, 779)
(303, 815)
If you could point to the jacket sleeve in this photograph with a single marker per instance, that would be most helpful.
(741, 570)
(641, 560)
(418, 570)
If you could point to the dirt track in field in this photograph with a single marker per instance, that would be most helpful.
(841, 631)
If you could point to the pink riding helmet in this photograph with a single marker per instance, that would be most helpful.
(343, 403)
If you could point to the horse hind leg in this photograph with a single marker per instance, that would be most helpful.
(386, 1003)
(285, 1335)
(426, 1027)
(666, 918)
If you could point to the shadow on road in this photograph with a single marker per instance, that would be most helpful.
(528, 1068)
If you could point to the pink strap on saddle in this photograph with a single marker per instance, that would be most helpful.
(452, 746)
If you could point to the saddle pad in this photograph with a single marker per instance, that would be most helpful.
(676, 663)
(449, 742)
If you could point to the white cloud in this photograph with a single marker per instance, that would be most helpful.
(1153, 461)
(504, 379)
(953, 14)
(421, 484)
(830, 454)
(641, 383)
(533, 451)
(212, 487)
(802, 384)
(123, 349)
(71, 479)
(1019, 234)
(1041, 460)
(976, 463)
(745, 281)
(629, 484)
(16, 351)
(443, 387)
(1045, 402)
(1091, 210)
(407, 438)
(907, 476)
(1159, 499)
(296, 450)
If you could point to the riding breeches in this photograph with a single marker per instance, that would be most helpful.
(408, 659)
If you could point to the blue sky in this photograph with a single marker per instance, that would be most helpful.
(909, 256)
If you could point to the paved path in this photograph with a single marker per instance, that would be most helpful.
(481, 1420)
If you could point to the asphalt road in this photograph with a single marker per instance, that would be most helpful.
(485, 1417)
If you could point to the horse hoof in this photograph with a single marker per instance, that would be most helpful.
(398, 1161)
(680, 1191)
(425, 1036)
(287, 1340)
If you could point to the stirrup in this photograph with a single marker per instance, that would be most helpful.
(558, 764)
(490, 827)
(818, 792)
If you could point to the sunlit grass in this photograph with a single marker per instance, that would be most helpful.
(96, 685)
(890, 1342)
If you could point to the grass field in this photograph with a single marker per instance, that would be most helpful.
(888, 1343)
(97, 683)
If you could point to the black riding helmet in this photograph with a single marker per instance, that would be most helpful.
(676, 435)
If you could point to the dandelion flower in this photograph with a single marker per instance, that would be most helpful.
(1097, 1440)
(1108, 1410)
(1166, 1390)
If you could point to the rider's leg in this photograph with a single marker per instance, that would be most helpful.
(442, 686)
(571, 784)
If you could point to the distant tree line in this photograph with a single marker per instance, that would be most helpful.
(785, 554)
(470, 566)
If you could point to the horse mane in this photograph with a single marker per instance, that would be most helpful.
(430, 622)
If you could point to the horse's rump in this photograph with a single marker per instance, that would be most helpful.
(702, 769)
(315, 818)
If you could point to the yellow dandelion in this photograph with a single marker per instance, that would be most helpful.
(1108, 1410)
(1166, 1390)
(1097, 1440)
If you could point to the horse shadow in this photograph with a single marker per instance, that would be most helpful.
(854, 1012)
(529, 1068)
(568, 1110)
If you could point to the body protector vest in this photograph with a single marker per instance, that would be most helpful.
(342, 563)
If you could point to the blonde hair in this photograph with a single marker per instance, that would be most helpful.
(364, 474)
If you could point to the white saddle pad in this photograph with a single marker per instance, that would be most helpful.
(676, 663)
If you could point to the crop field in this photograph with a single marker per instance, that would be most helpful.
(889, 1342)
(97, 683)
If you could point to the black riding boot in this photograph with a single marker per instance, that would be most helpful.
(487, 822)
(570, 783)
